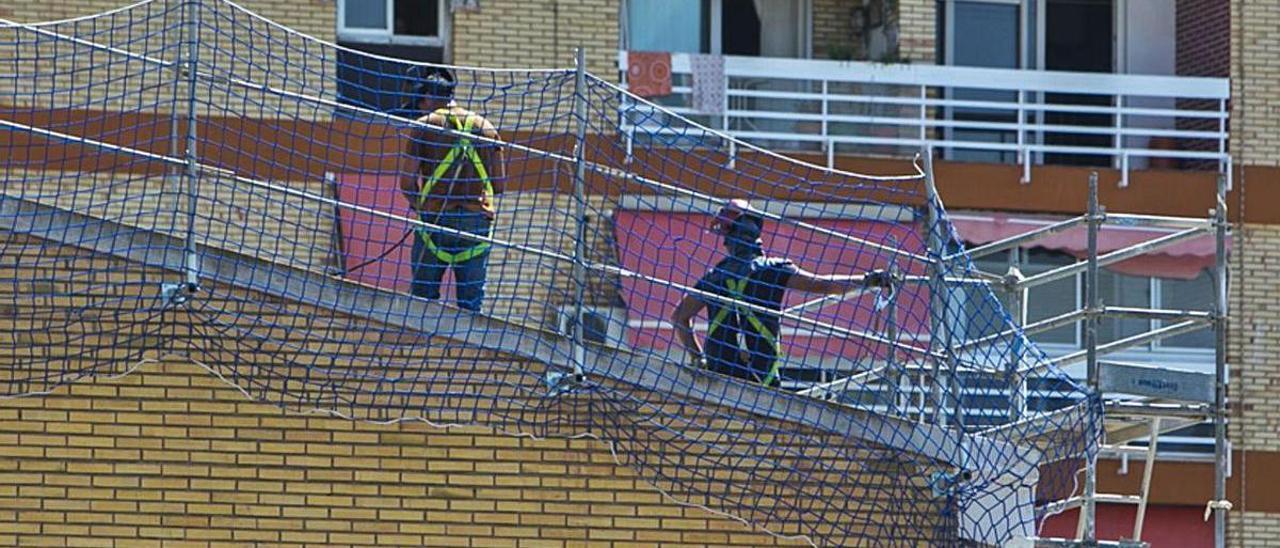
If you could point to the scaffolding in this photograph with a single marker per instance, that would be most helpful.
(1160, 399)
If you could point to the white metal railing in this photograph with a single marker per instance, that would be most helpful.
(1025, 117)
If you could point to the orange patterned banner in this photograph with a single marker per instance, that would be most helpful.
(649, 73)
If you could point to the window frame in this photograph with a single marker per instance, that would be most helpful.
(387, 34)
(715, 27)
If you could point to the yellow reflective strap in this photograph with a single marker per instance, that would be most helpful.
(476, 161)
(716, 321)
(463, 147)
(449, 257)
(444, 164)
(736, 289)
(436, 175)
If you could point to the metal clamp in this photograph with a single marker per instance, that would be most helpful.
(559, 382)
(175, 294)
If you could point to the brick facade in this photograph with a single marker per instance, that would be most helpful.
(1253, 530)
(1255, 340)
(1204, 38)
(539, 33)
(1255, 83)
(917, 30)
(95, 79)
(170, 452)
(1253, 344)
(1255, 334)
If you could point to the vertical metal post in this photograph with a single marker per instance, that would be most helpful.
(897, 402)
(940, 331)
(924, 118)
(193, 171)
(1087, 528)
(1024, 155)
(580, 209)
(1221, 457)
(1148, 468)
(1017, 380)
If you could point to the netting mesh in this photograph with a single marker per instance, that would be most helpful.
(195, 145)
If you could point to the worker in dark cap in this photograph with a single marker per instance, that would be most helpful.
(742, 340)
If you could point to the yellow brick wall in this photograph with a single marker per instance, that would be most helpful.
(1255, 79)
(831, 28)
(234, 44)
(172, 453)
(539, 33)
(1253, 530)
(1254, 390)
(1253, 346)
(917, 27)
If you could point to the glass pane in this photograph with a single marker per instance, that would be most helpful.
(417, 17)
(366, 14)
(1123, 290)
(1051, 299)
(986, 35)
(1194, 294)
(664, 25)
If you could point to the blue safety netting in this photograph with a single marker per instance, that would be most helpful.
(187, 177)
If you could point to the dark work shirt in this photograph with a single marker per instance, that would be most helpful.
(735, 344)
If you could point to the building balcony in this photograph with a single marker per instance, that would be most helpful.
(1025, 118)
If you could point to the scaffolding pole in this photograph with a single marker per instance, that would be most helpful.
(580, 211)
(192, 175)
(1164, 414)
(1086, 529)
(1220, 453)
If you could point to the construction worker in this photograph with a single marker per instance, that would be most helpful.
(742, 341)
(450, 181)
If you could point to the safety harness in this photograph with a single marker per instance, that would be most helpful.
(463, 148)
(736, 287)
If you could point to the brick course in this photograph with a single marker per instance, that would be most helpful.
(917, 29)
(171, 453)
(539, 33)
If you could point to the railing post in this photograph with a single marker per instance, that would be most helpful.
(924, 117)
(1024, 156)
(1224, 166)
(580, 211)
(192, 176)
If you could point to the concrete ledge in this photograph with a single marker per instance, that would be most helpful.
(984, 457)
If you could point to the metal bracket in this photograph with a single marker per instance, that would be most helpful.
(176, 294)
(946, 483)
(559, 382)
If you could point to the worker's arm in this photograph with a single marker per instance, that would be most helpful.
(836, 284)
(682, 319)
(828, 284)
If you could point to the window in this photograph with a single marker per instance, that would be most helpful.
(989, 34)
(1114, 289)
(765, 28)
(408, 22)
